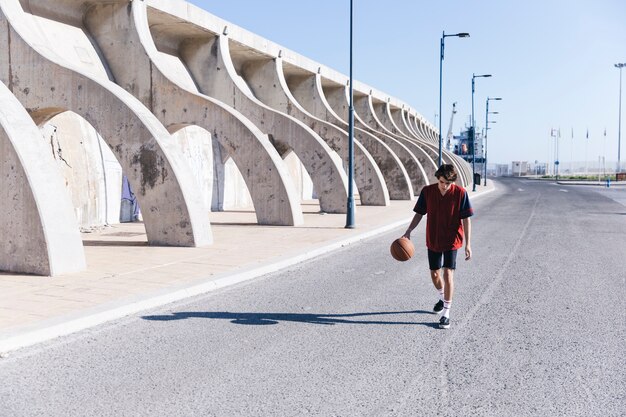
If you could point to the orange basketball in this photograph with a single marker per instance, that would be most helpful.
(402, 249)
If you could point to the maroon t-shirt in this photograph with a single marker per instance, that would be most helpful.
(444, 229)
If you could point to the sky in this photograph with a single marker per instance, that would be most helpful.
(552, 63)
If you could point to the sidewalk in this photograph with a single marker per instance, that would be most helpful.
(125, 275)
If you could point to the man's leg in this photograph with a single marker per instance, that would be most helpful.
(448, 279)
(435, 262)
(449, 264)
(435, 276)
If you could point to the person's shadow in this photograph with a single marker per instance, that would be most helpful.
(260, 319)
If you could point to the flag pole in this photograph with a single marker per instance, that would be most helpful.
(571, 156)
(587, 155)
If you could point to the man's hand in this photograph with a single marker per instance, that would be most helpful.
(468, 252)
(407, 235)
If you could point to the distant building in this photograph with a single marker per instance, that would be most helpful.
(519, 168)
(502, 170)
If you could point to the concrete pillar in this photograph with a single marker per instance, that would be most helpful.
(381, 115)
(209, 61)
(397, 117)
(267, 81)
(366, 117)
(338, 100)
(175, 100)
(47, 85)
(38, 227)
(309, 92)
(446, 157)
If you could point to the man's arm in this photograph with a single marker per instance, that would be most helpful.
(467, 230)
(416, 220)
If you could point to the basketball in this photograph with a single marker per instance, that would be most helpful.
(402, 249)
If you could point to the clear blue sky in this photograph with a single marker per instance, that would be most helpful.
(552, 61)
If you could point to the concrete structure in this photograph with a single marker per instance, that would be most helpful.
(197, 113)
(47, 84)
(38, 229)
(502, 170)
(519, 168)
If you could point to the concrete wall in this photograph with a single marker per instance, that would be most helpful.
(196, 112)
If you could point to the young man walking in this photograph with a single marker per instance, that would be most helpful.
(448, 212)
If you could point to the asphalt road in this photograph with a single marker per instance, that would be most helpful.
(538, 329)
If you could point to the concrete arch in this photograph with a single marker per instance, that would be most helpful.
(173, 214)
(388, 115)
(395, 117)
(429, 134)
(39, 230)
(462, 166)
(383, 115)
(337, 98)
(373, 187)
(309, 93)
(398, 115)
(176, 103)
(243, 47)
(364, 105)
(209, 61)
(446, 157)
(433, 132)
(380, 115)
(410, 118)
(421, 128)
(365, 111)
(415, 124)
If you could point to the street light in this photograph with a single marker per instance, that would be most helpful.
(350, 212)
(619, 128)
(487, 113)
(474, 76)
(443, 37)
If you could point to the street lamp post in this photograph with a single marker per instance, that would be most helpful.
(619, 126)
(487, 113)
(350, 212)
(443, 37)
(474, 76)
(485, 159)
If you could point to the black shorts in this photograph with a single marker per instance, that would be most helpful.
(435, 259)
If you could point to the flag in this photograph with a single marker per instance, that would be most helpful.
(587, 133)
(605, 132)
(572, 133)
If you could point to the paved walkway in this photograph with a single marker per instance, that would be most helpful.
(125, 275)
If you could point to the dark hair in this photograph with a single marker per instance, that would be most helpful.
(447, 171)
